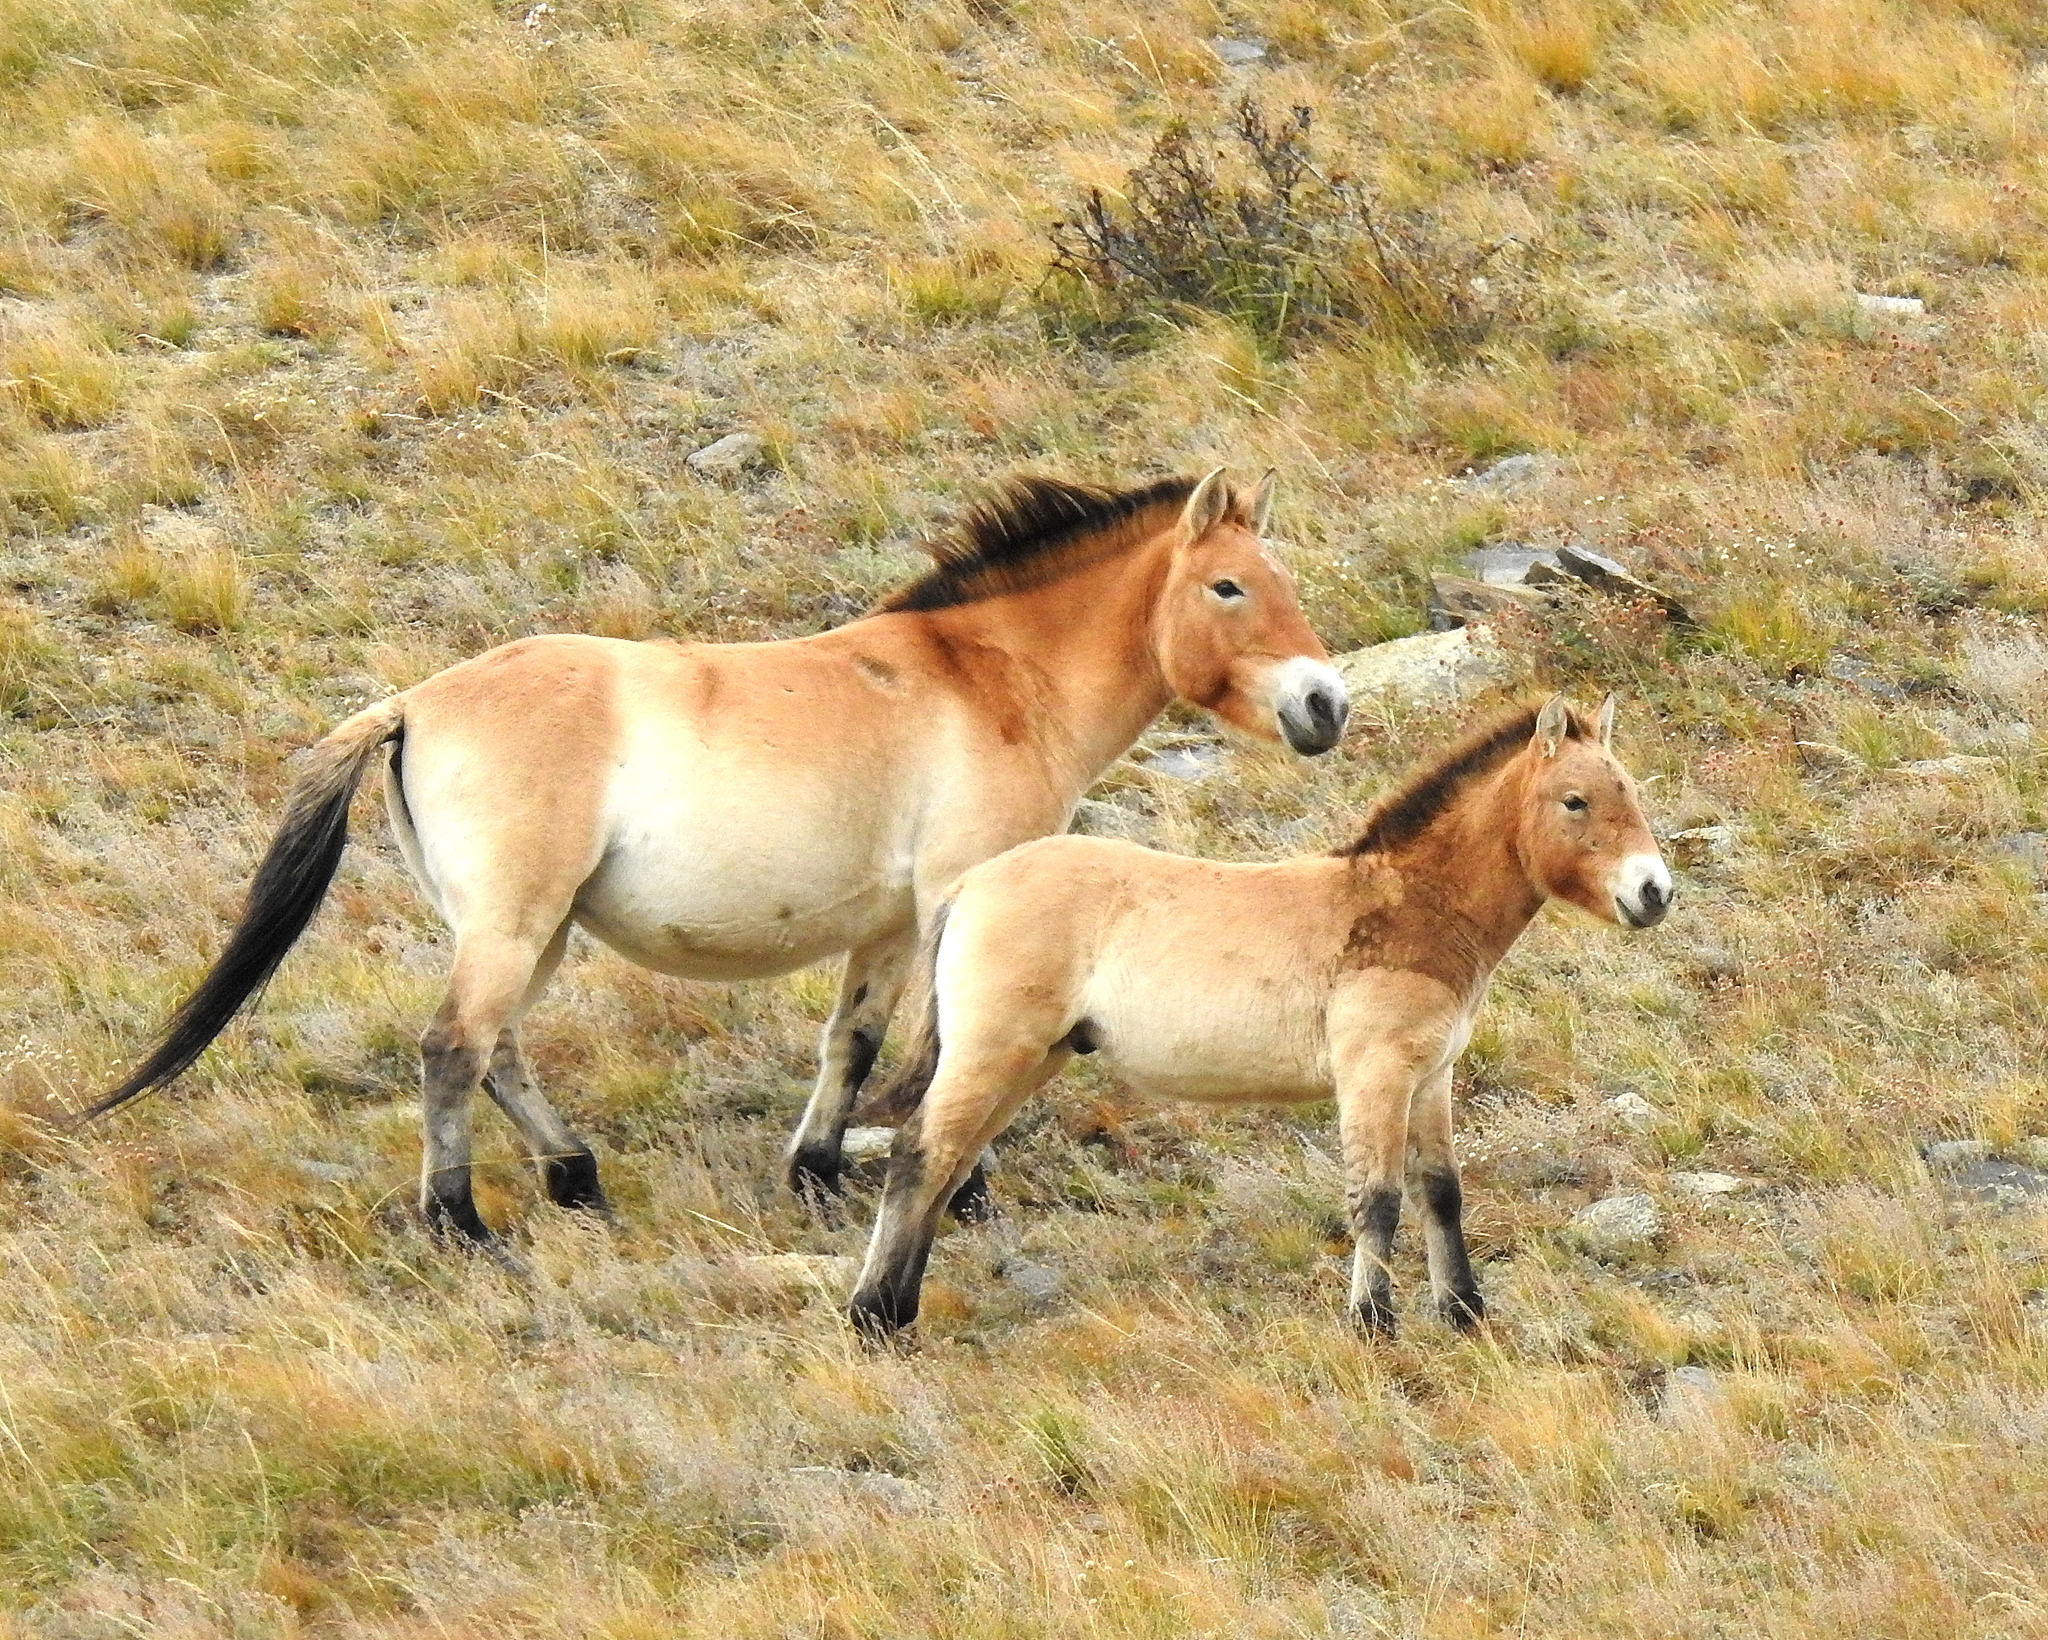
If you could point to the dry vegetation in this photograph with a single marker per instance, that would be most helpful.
(340, 340)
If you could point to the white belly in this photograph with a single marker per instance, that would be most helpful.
(1254, 1044)
(744, 876)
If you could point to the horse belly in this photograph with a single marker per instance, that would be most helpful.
(736, 878)
(1214, 1049)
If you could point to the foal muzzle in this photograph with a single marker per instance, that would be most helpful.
(1311, 704)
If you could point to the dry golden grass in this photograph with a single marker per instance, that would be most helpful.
(338, 342)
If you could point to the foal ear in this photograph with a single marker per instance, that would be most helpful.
(1259, 510)
(1603, 722)
(1206, 507)
(1553, 723)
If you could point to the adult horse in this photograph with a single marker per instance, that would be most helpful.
(730, 811)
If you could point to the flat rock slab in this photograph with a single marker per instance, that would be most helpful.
(1617, 1228)
(728, 457)
(1507, 563)
(1967, 1167)
(1596, 570)
(866, 1144)
(1512, 473)
(1186, 762)
(1430, 667)
(1709, 1184)
(1457, 600)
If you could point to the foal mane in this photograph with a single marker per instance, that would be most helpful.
(1030, 531)
(1402, 813)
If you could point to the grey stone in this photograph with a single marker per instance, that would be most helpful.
(1954, 767)
(1041, 1285)
(1945, 1155)
(1633, 1110)
(1616, 1228)
(1689, 1394)
(1709, 1184)
(1100, 817)
(1512, 473)
(1853, 669)
(1709, 961)
(2033, 1151)
(1239, 53)
(1891, 307)
(1969, 1168)
(1596, 570)
(1195, 762)
(866, 1144)
(1507, 563)
(728, 457)
(1431, 667)
(1456, 601)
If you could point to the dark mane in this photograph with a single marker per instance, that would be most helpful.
(1401, 814)
(1027, 533)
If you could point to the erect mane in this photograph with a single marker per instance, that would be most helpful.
(1401, 814)
(1027, 533)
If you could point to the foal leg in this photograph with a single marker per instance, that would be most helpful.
(486, 992)
(971, 1100)
(868, 992)
(1443, 1204)
(1372, 1120)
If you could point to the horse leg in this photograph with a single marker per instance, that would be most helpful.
(1372, 1119)
(868, 992)
(486, 991)
(1443, 1204)
(970, 1101)
(568, 1169)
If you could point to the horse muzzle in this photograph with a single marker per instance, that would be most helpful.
(1311, 703)
(1643, 891)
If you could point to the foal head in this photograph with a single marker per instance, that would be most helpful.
(1229, 633)
(1583, 836)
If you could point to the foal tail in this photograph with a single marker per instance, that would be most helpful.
(906, 1090)
(289, 886)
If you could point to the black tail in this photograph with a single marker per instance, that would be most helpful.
(288, 889)
(906, 1089)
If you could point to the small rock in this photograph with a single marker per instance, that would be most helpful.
(1633, 1109)
(826, 1274)
(1604, 574)
(1891, 307)
(1954, 767)
(1995, 1180)
(885, 1494)
(1689, 1395)
(1512, 473)
(1239, 53)
(1507, 563)
(1946, 1155)
(728, 457)
(1455, 601)
(1195, 762)
(2032, 1151)
(1041, 1285)
(1702, 845)
(866, 1144)
(1099, 817)
(1714, 962)
(1617, 1228)
(1853, 669)
(1709, 1184)
(326, 1172)
(1430, 667)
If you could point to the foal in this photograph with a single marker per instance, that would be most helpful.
(731, 811)
(1356, 975)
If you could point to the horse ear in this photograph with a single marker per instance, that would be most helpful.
(1552, 724)
(1259, 512)
(1206, 507)
(1603, 721)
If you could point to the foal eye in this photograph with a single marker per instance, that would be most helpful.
(1575, 804)
(1226, 589)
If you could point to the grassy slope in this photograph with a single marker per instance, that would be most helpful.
(341, 340)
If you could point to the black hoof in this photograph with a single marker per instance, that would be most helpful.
(972, 1203)
(814, 1173)
(1464, 1311)
(571, 1182)
(1374, 1320)
(880, 1316)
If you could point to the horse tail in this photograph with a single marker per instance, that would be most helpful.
(288, 888)
(895, 1104)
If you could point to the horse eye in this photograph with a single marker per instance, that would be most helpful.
(1575, 804)
(1226, 589)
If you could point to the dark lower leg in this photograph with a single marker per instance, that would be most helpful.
(449, 1075)
(568, 1167)
(814, 1157)
(1375, 1214)
(886, 1299)
(1450, 1266)
(972, 1203)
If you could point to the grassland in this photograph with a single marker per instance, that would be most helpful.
(339, 341)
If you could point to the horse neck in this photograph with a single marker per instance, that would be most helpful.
(1470, 859)
(1074, 658)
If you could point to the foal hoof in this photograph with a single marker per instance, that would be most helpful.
(880, 1317)
(813, 1175)
(972, 1203)
(1374, 1321)
(571, 1182)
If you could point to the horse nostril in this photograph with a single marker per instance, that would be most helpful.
(1322, 707)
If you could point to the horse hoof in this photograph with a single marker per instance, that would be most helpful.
(972, 1203)
(879, 1318)
(1374, 1321)
(571, 1182)
(1466, 1312)
(814, 1178)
